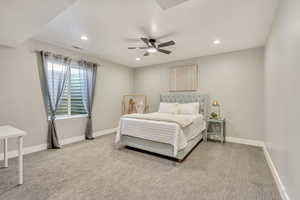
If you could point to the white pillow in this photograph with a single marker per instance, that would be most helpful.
(188, 108)
(170, 108)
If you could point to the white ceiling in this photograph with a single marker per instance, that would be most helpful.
(20, 20)
(113, 25)
(165, 4)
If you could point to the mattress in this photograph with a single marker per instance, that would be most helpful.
(163, 132)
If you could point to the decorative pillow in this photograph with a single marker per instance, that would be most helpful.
(170, 108)
(188, 108)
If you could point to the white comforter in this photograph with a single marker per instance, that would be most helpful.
(182, 120)
(162, 131)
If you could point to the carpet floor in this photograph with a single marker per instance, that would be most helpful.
(96, 170)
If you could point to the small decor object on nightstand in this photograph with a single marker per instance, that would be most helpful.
(215, 115)
(216, 129)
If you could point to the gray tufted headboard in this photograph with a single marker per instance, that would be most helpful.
(188, 97)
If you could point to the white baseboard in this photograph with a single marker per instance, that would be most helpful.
(27, 150)
(105, 132)
(72, 140)
(41, 147)
(280, 186)
(257, 143)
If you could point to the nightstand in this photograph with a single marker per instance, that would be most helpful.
(216, 129)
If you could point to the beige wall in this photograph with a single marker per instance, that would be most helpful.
(235, 79)
(282, 95)
(21, 102)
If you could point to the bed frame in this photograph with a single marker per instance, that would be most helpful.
(167, 149)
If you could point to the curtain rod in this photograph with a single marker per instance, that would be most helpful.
(39, 51)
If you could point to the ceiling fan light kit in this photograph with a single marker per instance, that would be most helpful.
(152, 50)
(152, 47)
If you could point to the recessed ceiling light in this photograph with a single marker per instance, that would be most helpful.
(152, 50)
(137, 59)
(84, 37)
(217, 41)
(154, 28)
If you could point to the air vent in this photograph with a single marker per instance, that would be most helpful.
(166, 4)
(76, 47)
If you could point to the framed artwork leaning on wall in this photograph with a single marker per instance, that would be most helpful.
(134, 103)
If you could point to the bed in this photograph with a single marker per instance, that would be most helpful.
(174, 135)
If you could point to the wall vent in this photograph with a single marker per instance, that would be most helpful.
(76, 47)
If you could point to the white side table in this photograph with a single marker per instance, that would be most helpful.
(220, 134)
(7, 132)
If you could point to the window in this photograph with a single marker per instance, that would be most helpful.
(71, 102)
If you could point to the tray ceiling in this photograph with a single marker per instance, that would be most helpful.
(113, 25)
(20, 20)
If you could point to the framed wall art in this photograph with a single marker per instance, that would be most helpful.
(184, 78)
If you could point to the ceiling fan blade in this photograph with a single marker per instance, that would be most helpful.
(132, 47)
(164, 51)
(146, 54)
(165, 44)
(127, 39)
(146, 41)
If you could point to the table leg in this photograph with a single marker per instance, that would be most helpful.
(20, 148)
(5, 152)
(222, 132)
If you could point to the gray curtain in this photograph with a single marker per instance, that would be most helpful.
(88, 73)
(55, 70)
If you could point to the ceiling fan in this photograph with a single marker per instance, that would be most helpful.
(152, 47)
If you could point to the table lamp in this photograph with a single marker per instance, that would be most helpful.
(217, 104)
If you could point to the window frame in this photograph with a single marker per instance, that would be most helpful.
(61, 117)
(69, 102)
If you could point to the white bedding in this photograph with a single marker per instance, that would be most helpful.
(164, 132)
(182, 120)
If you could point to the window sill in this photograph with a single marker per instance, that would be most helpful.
(61, 117)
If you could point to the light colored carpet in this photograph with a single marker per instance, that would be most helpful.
(96, 170)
